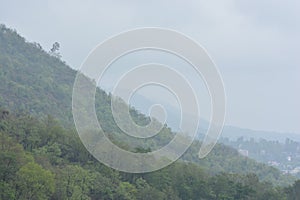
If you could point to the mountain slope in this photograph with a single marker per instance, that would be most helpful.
(41, 160)
(34, 81)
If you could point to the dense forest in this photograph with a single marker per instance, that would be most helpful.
(39, 159)
(43, 158)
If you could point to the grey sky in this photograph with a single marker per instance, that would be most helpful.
(255, 44)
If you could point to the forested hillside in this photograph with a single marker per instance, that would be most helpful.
(42, 157)
(32, 80)
(39, 159)
(282, 155)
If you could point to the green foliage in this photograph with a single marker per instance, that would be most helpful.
(34, 82)
(34, 182)
(294, 191)
(41, 159)
(12, 157)
(58, 167)
(226, 159)
(270, 152)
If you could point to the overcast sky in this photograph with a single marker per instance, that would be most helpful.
(256, 44)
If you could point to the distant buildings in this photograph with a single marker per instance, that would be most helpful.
(274, 163)
(243, 152)
(294, 171)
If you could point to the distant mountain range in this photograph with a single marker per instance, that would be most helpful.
(142, 104)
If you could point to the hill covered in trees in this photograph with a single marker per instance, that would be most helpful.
(43, 158)
(39, 159)
(282, 155)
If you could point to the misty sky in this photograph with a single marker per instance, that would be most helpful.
(255, 44)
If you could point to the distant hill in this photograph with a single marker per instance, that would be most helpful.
(34, 82)
(235, 133)
(232, 132)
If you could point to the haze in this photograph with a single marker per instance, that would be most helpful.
(255, 44)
